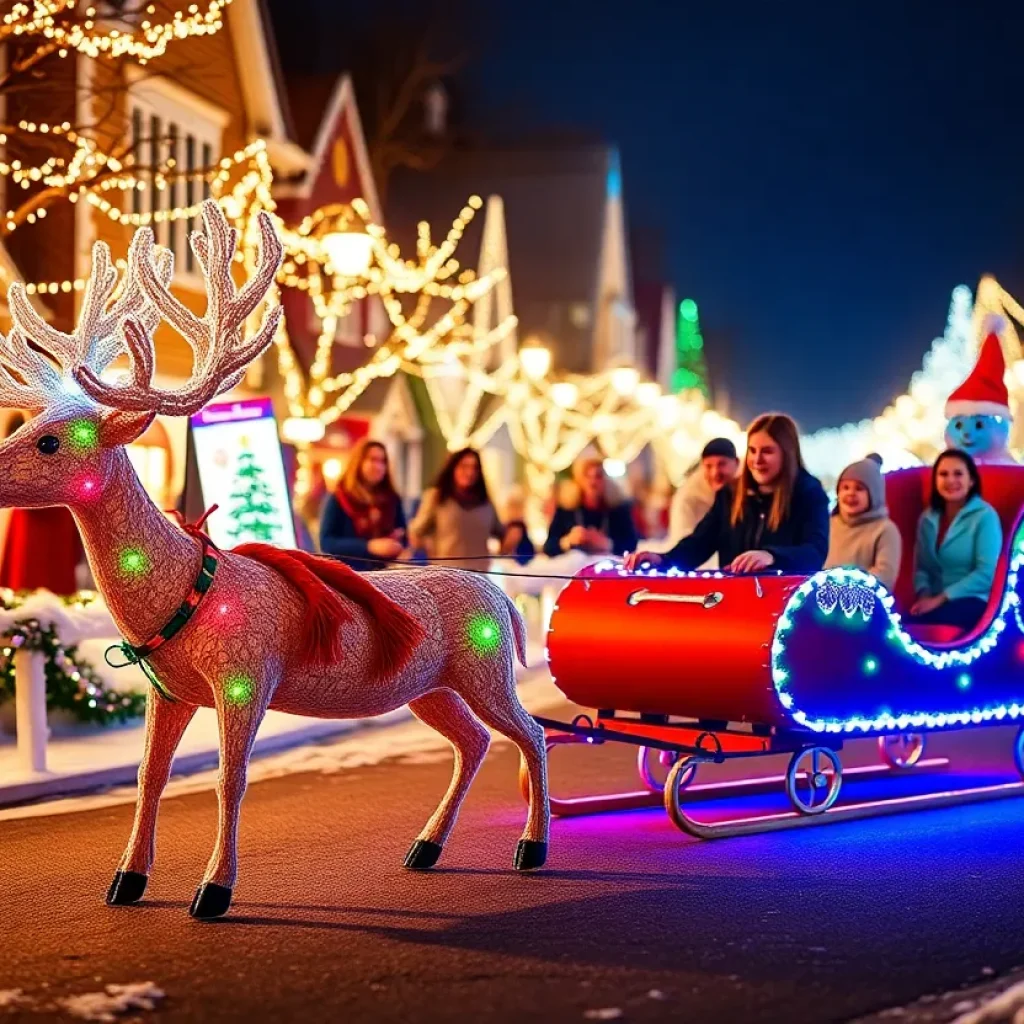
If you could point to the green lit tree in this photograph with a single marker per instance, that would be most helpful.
(691, 370)
(252, 514)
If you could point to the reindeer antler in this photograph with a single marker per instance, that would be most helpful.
(221, 351)
(28, 378)
(95, 340)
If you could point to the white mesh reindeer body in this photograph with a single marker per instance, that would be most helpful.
(255, 628)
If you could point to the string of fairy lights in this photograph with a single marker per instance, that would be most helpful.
(428, 299)
(57, 23)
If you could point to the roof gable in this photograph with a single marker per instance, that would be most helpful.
(339, 169)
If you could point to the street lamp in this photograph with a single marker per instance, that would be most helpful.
(302, 430)
(648, 393)
(345, 240)
(349, 253)
(668, 410)
(625, 380)
(564, 394)
(535, 360)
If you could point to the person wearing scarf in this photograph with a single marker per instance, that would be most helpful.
(364, 518)
(457, 518)
(862, 536)
(591, 515)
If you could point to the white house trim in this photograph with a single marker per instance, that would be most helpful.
(255, 69)
(157, 91)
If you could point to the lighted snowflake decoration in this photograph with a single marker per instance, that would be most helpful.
(851, 597)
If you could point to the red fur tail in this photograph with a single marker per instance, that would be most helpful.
(320, 581)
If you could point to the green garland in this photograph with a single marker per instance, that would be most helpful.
(72, 684)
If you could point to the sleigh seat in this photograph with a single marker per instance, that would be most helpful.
(906, 494)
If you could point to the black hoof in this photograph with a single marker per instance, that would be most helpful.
(128, 887)
(211, 901)
(422, 854)
(530, 854)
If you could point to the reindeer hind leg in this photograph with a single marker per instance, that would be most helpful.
(499, 707)
(445, 711)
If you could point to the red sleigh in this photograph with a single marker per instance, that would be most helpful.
(701, 668)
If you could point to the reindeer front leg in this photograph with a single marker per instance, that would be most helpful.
(242, 701)
(165, 723)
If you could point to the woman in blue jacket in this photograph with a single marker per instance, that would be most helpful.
(364, 516)
(774, 518)
(959, 539)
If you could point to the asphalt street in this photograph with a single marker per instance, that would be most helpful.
(630, 920)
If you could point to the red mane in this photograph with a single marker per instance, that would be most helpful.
(320, 581)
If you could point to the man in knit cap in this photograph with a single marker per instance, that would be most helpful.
(979, 410)
(719, 465)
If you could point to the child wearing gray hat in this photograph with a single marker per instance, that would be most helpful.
(862, 536)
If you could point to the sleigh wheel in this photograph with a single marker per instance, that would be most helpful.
(679, 778)
(901, 751)
(650, 763)
(813, 779)
(1018, 750)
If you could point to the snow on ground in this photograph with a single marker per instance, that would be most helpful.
(114, 1000)
(1007, 1006)
(378, 740)
(988, 1002)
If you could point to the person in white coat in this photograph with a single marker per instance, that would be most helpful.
(718, 467)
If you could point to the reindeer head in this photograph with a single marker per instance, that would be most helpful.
(64, 454)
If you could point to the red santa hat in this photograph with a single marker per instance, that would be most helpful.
(984, 392)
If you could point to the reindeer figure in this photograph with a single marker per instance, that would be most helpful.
(257, 627)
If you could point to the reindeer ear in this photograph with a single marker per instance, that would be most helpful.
(120, 426)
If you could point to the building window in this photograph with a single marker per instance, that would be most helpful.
(166, 135)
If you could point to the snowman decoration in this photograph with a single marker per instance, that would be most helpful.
(979, 410)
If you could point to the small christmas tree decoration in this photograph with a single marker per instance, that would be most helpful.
(253, 514)
(257, 627)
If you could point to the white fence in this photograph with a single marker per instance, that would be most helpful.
(533, 587)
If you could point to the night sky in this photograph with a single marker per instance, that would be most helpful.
(824, 174)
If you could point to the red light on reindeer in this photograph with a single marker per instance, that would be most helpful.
(88, 487)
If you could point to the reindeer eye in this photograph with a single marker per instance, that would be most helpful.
(48, 444)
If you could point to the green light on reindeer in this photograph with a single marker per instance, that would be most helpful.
(238, 688)
(483, 634)
(133, 562)
(83, 435)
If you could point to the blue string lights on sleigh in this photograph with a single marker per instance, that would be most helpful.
(937, 679)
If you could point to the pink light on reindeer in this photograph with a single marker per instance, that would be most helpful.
(302, 634)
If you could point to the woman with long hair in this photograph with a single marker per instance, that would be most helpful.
(457, 517)
(959, 538)
(364, 518)
(592, 515)
(774, 517)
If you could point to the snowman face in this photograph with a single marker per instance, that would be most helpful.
(978, 435)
